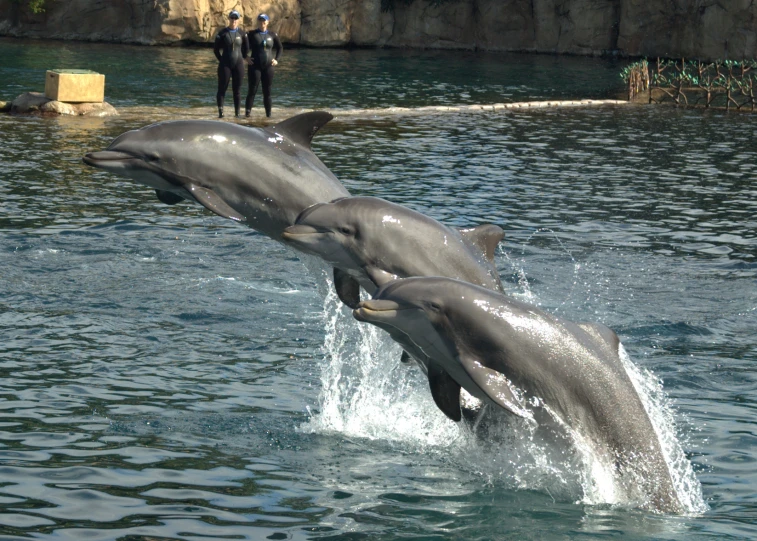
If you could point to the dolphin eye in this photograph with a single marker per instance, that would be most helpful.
(345, 230)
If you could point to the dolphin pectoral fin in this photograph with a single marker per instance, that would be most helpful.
(405, 357)
(210, 200)
(445, 391)
(347, 288)
(495, 386)
(485, 237)
(169, 198)
(301, 128)
(378, 276)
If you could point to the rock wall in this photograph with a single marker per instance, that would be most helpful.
(705, 29)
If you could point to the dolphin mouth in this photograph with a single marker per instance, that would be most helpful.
(105, 158)
(374, 309)
(296, 232)
(308, 239)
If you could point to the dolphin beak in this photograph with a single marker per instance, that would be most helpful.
(300, 235)
(106, 157)
(295, 233)
(375, 309)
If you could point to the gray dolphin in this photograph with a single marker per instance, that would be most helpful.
(527, 361)
(370, 241)
(262, 176)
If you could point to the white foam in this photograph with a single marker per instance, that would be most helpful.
(661, 413)
(368, 393)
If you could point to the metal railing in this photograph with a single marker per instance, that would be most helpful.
(728, 84)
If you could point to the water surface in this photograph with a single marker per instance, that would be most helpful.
(169, 374)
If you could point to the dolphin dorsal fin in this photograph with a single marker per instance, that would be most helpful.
(602, 334)
(300, 129)
(485, 237)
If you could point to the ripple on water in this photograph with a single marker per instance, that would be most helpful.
(163, 372)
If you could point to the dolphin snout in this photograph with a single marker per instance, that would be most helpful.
(96, 159)
(293, 231)
(374, 307)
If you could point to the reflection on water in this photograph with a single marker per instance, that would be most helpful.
(161, 369)
(336, 78)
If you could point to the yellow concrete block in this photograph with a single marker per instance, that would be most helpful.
(75, 86)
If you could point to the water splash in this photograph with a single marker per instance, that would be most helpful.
(660, 411)
(524, 290)
(368, 393)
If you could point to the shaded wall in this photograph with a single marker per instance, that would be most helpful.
(704, 29)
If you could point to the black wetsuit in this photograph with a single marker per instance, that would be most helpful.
(262, 46)
(231, 48)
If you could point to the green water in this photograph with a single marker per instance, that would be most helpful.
(315, 78)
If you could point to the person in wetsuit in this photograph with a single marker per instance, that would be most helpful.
(231, 48)
(262, 44)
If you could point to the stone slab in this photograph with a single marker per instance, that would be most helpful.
(75, 86)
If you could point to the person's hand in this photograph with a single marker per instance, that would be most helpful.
(274, 62)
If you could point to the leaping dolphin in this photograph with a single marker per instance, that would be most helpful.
(524, 360)
(370, 241)
(261, 176)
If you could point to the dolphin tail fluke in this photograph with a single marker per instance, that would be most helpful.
(301, 128)
(347, 288)
(445, 391)
(485, 237)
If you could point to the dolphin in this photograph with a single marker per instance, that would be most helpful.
(531, 364)
(261, 176)
(370, 241)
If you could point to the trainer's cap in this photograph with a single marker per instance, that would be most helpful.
(263, 17)
(234, 14)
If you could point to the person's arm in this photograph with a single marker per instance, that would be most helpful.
(245, 45)
(217, 46)
(277, 45)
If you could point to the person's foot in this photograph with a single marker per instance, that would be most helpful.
(236, 113)
(247, 113)
(220, 112)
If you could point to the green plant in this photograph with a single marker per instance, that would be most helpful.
(35, 6)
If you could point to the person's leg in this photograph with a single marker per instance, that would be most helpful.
(237, 75)
(267, 80)
(253, 80)
(224, 74)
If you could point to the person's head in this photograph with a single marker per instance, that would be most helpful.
(263, 21)
(233, 18)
